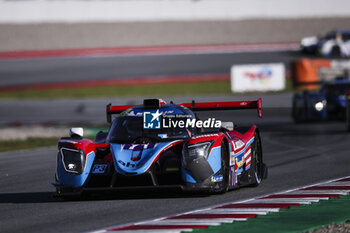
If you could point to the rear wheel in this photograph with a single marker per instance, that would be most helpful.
(256, 170)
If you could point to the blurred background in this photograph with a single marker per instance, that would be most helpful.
(54, 24)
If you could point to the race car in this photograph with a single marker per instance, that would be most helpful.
(329, 103)
(334, 44)
(158, 145)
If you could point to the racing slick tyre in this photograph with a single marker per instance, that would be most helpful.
(256, 171)
(225, 166)
(225, 171)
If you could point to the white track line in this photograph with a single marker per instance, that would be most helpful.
(346, 183)
(223, 219)
(241, 210)
(285, 200)
(154, 231)
(320, 192)
(192, 222)
(233, 212)
(198, 221)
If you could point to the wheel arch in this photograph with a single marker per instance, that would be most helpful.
(226, 143)
(264, 170)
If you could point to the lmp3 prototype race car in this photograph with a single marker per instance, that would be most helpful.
(335, 43)
(329, 103)
(160, 145)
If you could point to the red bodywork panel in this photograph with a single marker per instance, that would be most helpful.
(231, 105)
(84, 144)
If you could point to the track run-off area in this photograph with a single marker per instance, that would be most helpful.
(297, 155)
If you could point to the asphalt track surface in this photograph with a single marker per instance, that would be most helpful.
(66, 69)
(92, 112)
(296, 154)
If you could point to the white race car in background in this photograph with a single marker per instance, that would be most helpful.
(335, 43)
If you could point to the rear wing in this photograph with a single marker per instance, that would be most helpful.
(231, 105)
(201, 106)
(112, 110)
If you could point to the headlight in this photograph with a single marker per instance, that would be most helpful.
(73, 160)
(197, 150)
(319, 106)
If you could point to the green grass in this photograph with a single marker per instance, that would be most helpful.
(221, 87)
(174, 89)
(29, 143)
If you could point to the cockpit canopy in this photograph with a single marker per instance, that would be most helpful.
(129, 126)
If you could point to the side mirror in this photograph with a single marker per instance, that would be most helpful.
(76, 132)
(227, 125)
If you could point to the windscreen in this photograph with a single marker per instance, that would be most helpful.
(127, 129)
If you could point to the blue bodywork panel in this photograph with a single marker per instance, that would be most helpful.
(74, 180)
(214, 159)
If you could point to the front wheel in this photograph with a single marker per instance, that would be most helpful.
(257, 166)
(225, 169)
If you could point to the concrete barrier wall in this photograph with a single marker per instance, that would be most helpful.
(44, 11)
(43, 36)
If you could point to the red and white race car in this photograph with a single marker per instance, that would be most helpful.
(161, 145)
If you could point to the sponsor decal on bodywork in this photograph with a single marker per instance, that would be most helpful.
(217, 178)
(232, 158)
(99, 168)
(238, 144)
(137, 147)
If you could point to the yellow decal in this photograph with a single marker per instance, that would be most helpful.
(239, 163)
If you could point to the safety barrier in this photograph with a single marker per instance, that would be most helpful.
(159, 10)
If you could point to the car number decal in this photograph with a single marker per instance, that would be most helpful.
(99, 168)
